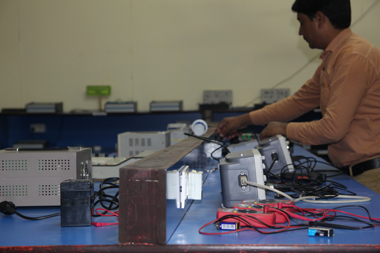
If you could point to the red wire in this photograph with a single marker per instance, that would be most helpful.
(116, 213)
(359, 216)
(324, 212)
(284, 228)
(101, 224)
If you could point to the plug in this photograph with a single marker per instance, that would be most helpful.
(7, 207)
(243, 179)
(274, 157)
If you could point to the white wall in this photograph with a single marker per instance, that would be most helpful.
(154, 49)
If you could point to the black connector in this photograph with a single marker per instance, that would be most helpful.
(274, 157)
(7, 207)
(312, 176)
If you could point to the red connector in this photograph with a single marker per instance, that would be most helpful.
(102, 224)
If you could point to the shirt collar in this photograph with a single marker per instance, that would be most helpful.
(338, 40)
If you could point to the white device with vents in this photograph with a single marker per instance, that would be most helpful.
(33, 177)
(132, 143)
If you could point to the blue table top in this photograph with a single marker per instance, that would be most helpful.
(204, 211)
(16, 231)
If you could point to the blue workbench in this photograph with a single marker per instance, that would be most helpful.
(202, 212)
(15, 231)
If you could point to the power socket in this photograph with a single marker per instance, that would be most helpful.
(37, 128)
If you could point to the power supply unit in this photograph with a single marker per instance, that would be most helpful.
(32, 177)
(134, 143)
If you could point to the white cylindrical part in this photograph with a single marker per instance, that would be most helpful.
(199, 127)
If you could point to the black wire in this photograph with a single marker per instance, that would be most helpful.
(104, 198)
(106, 184)
(271, 166)
(338, 174)
(322, 223)
(256, 137)
(300, 182)
(362, 207)
(207, 139)
(8, 208)
(222, 145)
(212, 154)
(37, 218)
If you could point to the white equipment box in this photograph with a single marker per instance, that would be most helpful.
(33, 177)
(105, 167)
(177, 132)
(132, 143)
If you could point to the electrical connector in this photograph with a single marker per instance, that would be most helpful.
(274, 157)
(7, 207)
(243, 179)
(102, 224)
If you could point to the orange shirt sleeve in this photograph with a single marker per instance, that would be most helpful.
(341, 94)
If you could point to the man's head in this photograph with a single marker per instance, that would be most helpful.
(337, 11)
(321, 20)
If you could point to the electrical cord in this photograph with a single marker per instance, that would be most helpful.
(8, 208)
(321, 218)
(209, 140)
(354, 199)
(306, 181)
(311, 199)
(244, 181)
(103, 197)
(363, 217)
(246, 219)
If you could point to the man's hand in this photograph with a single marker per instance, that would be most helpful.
(273, 128)
(230, 125)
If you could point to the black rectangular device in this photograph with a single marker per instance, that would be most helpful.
(77, 202)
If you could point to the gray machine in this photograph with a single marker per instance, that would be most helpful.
(33, 177)
(276, 152)
(243, 145)
(247, 163)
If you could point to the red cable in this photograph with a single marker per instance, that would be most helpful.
(284, 228)
(102, 224)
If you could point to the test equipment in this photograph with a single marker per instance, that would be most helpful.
(31, 177)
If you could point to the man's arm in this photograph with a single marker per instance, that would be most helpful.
(304, 100)
(230, 125)
(340, 99)
(273, 128)
(287, 109)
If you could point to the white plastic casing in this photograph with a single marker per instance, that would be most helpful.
(195, 184)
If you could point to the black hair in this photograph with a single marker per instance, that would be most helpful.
(337, 11)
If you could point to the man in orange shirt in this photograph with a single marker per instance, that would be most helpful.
(346, 86)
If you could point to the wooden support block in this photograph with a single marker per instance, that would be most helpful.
(142, 212)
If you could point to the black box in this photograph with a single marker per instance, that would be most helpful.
(77, 202)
